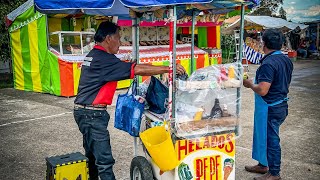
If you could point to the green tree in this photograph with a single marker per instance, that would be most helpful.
(282, 13)
(270, 8)
(6, 7)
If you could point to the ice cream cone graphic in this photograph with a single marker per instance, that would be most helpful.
(184, 172)
(228, 168)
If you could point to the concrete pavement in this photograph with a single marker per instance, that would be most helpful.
(34, 126)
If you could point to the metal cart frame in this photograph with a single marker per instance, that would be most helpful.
(142, 167)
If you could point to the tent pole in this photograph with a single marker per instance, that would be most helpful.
(135, 44)
(241, 33)
(240, 67)
(172, 58)
(135, 39)
(192, 42)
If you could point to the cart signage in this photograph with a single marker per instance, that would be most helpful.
(222, 143)
(206, 158)
(207, 167)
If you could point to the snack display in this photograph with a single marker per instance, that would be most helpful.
(212, 93)
(255, 44)
(71, 43)
(160, 51)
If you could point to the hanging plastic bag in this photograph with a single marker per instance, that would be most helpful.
(157, 96)
(129, 109)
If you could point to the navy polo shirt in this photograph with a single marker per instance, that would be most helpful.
(100, 72)
(277, 70)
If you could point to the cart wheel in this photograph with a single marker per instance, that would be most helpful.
(140, 169)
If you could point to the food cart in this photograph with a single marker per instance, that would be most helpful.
(195, 139)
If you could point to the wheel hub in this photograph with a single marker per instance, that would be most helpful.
(136, 174)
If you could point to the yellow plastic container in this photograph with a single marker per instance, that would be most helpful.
(198, 115)
(160, 147)
(231, 72)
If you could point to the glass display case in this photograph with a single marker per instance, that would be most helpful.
(71, 42)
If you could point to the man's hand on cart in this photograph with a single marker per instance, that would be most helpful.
(247, 83)
(150, 70)
(180, 69)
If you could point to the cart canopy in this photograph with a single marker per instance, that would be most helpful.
(120, 7)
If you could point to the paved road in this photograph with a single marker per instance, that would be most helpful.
(34, 126)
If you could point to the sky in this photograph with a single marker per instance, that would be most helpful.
(302, 10)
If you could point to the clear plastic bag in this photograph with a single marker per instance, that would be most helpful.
(209, 101)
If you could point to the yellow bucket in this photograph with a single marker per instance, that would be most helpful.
(160, 147)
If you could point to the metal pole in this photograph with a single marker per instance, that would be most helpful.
(174, 56)
(239, 65)
(81, 43)
(241, 33)
(135, 44)
(137, 39)
(60, 41)
(192, 42)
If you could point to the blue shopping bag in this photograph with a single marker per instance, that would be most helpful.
(129, 111)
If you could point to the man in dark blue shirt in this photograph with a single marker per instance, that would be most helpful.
(100, 72)
(271, 88)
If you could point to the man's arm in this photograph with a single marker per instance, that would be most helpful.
(262, 88)
(149, 70)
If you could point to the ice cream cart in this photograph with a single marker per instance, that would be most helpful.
(195, 138)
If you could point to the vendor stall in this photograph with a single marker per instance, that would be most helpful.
(40, 64)
(263, 22)
(254, 25)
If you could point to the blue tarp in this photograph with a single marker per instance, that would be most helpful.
(91, 7)
(119, 7)
(145, 3)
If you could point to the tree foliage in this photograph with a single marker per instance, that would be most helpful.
(6, 7)
(270, 8)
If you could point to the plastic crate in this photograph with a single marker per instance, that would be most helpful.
(72, 166)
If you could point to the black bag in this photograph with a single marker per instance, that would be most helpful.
(157, 96)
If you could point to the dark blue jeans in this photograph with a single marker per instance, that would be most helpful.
(96, 142)
(276, 116)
